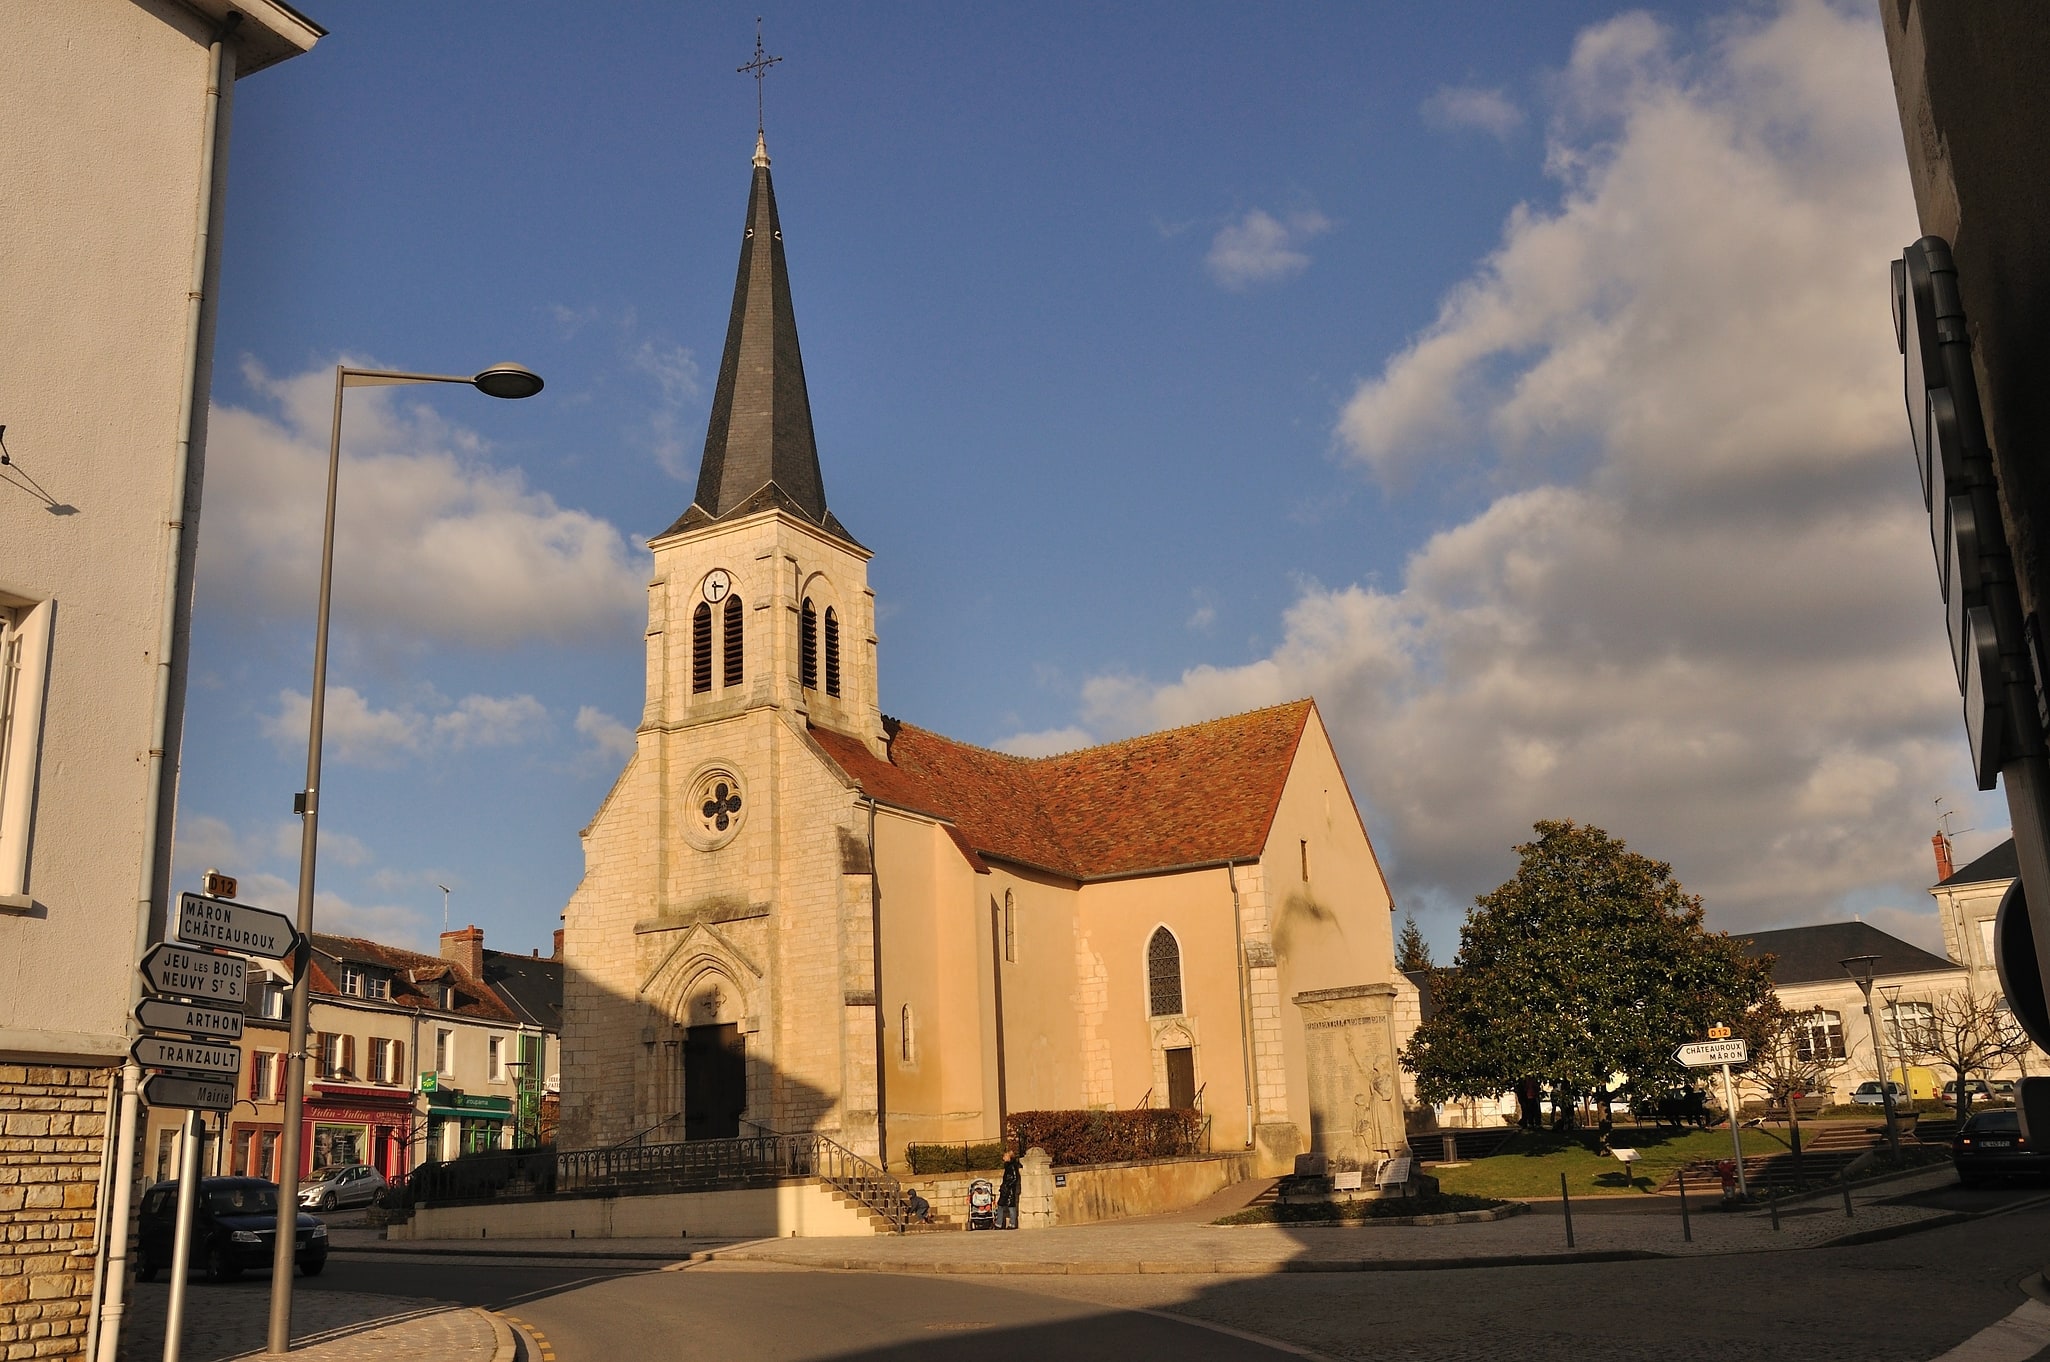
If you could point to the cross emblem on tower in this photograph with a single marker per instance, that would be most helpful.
(758, 68)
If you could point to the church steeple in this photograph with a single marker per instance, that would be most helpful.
(760, 452)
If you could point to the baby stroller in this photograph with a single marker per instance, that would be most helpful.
(982, 1205)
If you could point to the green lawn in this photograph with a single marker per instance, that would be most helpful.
(1530, 1164)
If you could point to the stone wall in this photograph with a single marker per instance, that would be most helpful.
(51, 1128)
(1099, 1191)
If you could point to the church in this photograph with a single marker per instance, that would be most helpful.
(801, 915)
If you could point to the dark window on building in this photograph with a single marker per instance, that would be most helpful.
(735, 665)
(808, 646)
(701, 649)
(832, 652)
(1163, 975)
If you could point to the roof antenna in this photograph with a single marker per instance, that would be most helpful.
(759, 68)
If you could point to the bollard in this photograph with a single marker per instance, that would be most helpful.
(1772, 1203)
(1686, 1225)
(1845, 1183)
(1566, 1204)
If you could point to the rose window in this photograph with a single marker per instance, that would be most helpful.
(715, 799)
(720, 807)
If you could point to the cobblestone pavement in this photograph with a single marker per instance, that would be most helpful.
(231, 1320)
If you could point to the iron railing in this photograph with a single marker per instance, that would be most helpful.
(646, 1169)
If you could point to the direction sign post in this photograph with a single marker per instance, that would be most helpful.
(187, 972)
(201, 1020)
(1721, 1054)
(204, 921)
(194, 1094)
(187, 1056)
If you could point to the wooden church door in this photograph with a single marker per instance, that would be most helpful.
(714, 1082)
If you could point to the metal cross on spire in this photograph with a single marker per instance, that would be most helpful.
(758, 68)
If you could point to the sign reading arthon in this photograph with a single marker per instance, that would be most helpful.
(189, 973)
(1706, 1054)
(234, 926)
(199, 1094)
(198, 1056)
(197, 1019)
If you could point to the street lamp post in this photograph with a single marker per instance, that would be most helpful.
(1860, 968)
(501, 380)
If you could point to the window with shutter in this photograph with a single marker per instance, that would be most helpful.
(398, 1063)
(348, 1057)
(733, 661)
(832, 651)
(701, 649)
(808, 646)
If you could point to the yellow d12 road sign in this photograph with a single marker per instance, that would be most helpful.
(1706, 1054)
(187, 1056)
(196, 1094)
(188, 972)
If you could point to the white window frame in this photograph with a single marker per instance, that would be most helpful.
(445, 1051)
(495, 1053)
(352, 980)
(24, 689)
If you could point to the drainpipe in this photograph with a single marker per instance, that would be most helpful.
(875, 931)
(996, 957)
(1238, 937)
(92, 1327)
(113, 1247)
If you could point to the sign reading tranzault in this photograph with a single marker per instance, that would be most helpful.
(192, 1056)
(234, 926)
(190, 973)
(196, 1019)
(1706, 1054)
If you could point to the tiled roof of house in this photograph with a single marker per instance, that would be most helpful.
(1806, 955)
(1997, 864)
(530, 986)
(409, 972)
(1186, 796)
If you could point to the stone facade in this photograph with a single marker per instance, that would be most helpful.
(51, 1125)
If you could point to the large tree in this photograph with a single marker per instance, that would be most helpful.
(1412, 952)
(1967, 1032)
(1591, 962)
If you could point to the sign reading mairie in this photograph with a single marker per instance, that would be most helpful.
(179, 1090)
(191, 973)
(234, 926)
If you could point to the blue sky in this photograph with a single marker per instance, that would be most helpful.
(1515, 379)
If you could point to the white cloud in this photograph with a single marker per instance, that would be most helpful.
(674, 370)
(355, 731)
(1467, 106)
(1699, 610)
(608, 736)
(432, 541)
(1044, 743)
(1260, 248)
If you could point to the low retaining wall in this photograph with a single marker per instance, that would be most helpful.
(1093, 1192)
(795, 1206)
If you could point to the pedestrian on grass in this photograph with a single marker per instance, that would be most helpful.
(1009, 1188)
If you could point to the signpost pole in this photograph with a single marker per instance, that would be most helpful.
(1736, 1139)
(181, 1236)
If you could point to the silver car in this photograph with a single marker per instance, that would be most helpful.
(346, 1184)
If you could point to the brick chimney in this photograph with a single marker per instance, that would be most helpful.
(1944, 868)
(557, 955)
(465, 947)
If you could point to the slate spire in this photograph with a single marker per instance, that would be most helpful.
(759, 448)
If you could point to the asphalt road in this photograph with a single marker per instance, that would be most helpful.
(1909, 1298)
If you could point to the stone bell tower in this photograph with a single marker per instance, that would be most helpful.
(719, 947)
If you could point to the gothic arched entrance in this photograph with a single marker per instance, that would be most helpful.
(714, 1065)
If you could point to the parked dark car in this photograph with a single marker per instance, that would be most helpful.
(1992, 1145)
(234, 1225)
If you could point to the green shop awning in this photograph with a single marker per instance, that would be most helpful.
(447, 1104)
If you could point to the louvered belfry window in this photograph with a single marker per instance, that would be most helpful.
(735, 665)
(832, 652)
(1163, 975)
(808, 646)
(701, 649)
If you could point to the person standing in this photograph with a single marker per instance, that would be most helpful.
(1009, 1188)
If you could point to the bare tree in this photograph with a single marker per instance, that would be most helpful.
(1791, 1056)
(1965, 1031)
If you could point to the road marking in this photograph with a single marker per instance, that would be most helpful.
(2019, 1336)
(547, 1349)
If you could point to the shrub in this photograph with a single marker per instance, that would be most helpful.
(956, 1158)
(1071, 1137)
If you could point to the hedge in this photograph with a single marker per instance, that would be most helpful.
(956, 1158)
(1072, 1137)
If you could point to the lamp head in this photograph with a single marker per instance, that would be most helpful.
(1859, 967)
(508, 381)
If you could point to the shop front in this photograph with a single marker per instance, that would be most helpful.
(346, 1123)
(459, 1124)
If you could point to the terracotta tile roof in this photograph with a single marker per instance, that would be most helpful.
(1186, 796)
(408, 971)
